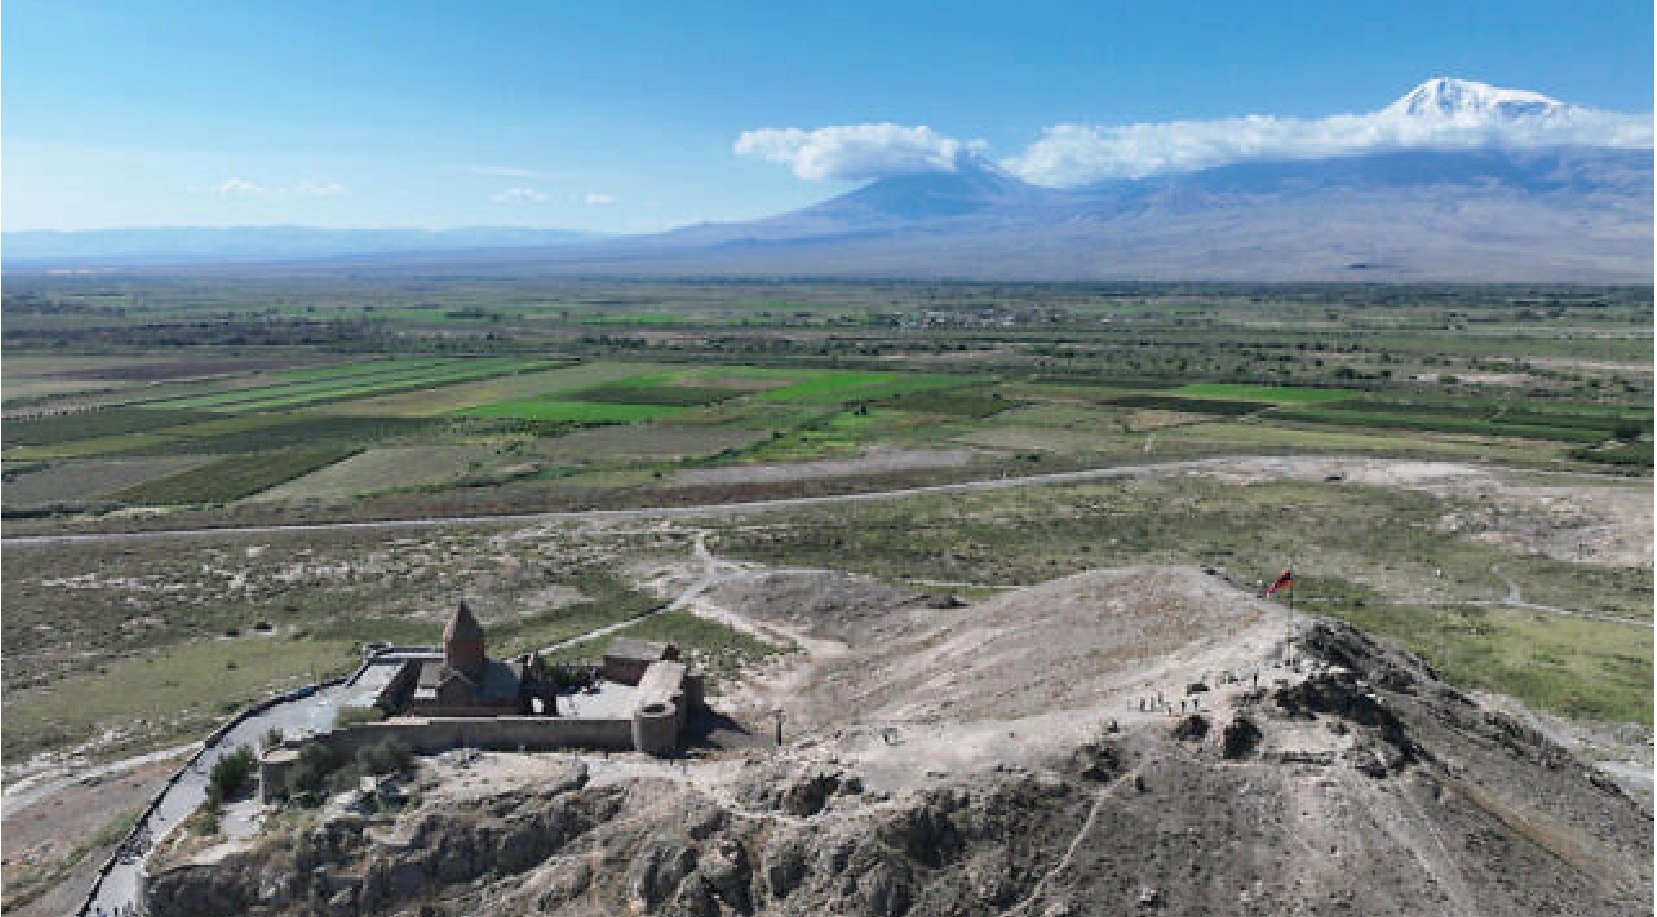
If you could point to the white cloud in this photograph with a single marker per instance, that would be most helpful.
(1440, 114)
(857, 152)
(239, 186)
(503, 172)
(519, 196)
(597, 198)
(306, 188)
(310, 188)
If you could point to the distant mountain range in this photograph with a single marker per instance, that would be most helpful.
(222, 244)
(1566, 215)
(1483, 211)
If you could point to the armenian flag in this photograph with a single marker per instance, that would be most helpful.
(1285, 580)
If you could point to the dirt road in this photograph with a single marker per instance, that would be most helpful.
(1219, 465)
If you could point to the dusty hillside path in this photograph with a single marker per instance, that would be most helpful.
(1221, 464)
(1515, 599)
(714, 571)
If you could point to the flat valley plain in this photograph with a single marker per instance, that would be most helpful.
(1464, 469)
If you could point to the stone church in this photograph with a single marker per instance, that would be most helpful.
(466, 682)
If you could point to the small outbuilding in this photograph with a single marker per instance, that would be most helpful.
(626, 659)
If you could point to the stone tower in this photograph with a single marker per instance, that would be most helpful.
(463, 643)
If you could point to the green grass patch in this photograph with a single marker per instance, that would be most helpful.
(230, 478)
(178, 693)
(1568, 666)
(1279, 394)
(838, 387)
(1628, 455)
(577, 411)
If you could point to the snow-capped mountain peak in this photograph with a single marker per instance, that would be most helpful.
(1467, 100)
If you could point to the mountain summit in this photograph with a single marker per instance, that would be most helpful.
(1450, 99)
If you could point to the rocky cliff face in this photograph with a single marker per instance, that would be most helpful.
(1348, 781)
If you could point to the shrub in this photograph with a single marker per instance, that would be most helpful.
(307, 774)
(349, 716)
(230, 775)
(388, 757)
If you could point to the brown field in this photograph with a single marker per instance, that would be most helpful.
(380, 470)
(91, 478)
(646, 441)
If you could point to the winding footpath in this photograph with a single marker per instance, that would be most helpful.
(1515, 600)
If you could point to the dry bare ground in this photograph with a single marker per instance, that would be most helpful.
(875, 461)
(1599, 523)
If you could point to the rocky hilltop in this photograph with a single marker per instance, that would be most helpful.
(1316, 770)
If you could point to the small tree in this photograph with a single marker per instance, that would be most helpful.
(230, 775)
(388, 757)
(306, 775)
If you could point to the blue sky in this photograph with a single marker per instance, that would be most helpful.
(623, 116)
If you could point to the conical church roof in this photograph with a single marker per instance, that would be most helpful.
(463, 641)
(463, 627)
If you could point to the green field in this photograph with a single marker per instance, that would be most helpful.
(578, 411)
(1274, 393)
(841, 387)
(355, 385)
